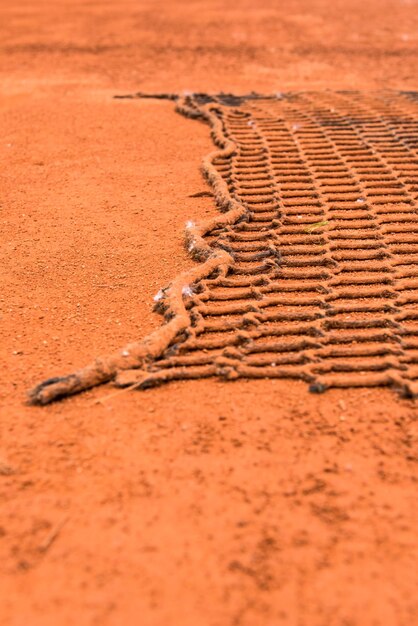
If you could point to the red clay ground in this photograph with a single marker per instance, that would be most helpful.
(199, 503)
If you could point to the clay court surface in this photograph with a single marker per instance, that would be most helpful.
(202, 502)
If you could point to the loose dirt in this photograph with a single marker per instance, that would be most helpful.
(200, 502)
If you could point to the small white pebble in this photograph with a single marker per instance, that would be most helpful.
(187, 290)
(189, 224)
(159, 296)
(360, 200)
(126, 353)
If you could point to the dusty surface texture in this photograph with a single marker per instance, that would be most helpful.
(209, 503)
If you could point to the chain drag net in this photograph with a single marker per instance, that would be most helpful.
(308, 271)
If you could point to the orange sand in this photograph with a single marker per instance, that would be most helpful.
(199, 503)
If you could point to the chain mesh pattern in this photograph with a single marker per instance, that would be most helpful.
(309, 271)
